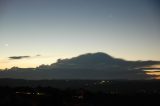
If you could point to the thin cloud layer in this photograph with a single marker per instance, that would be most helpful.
(18, 57)
(38, 55)
(22, 57)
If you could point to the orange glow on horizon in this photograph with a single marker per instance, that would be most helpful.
(154, 66)
(154, 74)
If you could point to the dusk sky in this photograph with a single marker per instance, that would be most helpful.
(41, 31)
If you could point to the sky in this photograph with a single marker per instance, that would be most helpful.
(34, 32)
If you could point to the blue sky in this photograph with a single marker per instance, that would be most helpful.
(128, 29)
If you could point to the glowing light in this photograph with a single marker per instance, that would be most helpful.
(153, 70)
(102, 82)
(154, 74)
(153, 66)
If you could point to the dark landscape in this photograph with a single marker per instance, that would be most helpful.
(79, 92)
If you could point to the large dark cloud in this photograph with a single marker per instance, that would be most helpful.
(92, 66)
(18, 57)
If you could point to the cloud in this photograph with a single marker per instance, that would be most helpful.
(18, 57)
(38, 55)
(22, 57)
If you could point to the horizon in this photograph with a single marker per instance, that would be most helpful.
(157, 66)
(41, 32)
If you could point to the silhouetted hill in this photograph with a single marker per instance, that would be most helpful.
(87, 66)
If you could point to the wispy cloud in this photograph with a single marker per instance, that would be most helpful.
(22, 57)
(38, 55)
(18, 57)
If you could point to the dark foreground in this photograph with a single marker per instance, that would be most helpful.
(79, 93)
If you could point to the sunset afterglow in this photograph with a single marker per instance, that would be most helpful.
(56, 29)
